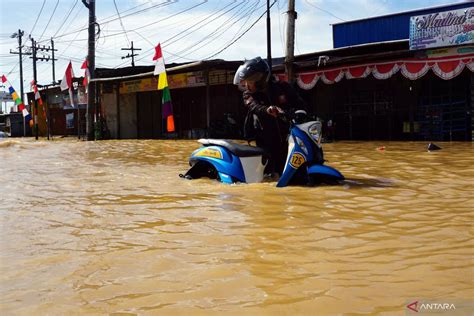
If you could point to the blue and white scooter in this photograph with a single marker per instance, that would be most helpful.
(230, 162)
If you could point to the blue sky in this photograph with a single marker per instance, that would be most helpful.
(188, 29)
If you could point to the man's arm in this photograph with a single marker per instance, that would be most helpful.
(253, 105)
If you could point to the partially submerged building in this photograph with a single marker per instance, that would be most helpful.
(202, 94)
(403, 76)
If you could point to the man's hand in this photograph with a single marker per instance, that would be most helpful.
(274, 110)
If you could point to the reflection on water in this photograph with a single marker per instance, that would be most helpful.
(109, 227)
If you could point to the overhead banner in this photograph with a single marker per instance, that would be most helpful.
(184, 80)
(445, 68)
(448, 28)
(139, 85)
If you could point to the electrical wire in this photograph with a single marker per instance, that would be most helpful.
(168, 2)
(253, 9)
(208, 37)
(147, 52)
(65, 19)
(221, 30)
(326, 11)
(50, 18)
(282, 38)
(39, 14)
(84, 27)
(164, 19)
(240, 36)
(143, 10)
(121, 23)
(202, 41)
(37, 18)
(175, 37)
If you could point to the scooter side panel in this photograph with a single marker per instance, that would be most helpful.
(224, 162)
(296, 158)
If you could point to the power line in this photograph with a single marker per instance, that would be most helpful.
(254, 8)
(65, 19)
(37, 18)
(75, 32)
(143, 10)
(123, 28)
(158, 21)
(232, 43)
(197, 24)
(168, 2)
(282, 40)
(315, 6)
(221, 29)
(39, 14)
(50, 18)
(147, 52)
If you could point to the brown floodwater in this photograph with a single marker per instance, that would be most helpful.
(109, 228)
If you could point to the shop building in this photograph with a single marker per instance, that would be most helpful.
(57, 114)
(405, 76)
(203, 96)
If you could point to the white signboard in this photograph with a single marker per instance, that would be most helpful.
(439, 29)
(5, 96)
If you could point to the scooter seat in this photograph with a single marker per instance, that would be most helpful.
(237, 149)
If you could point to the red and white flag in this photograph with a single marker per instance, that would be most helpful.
(160, 62)
(37, 94)
(85, 66)
(66, 83)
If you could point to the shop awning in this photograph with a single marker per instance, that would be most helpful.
(446, 68)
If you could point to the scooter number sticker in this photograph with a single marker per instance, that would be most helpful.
(297, 160)
(210, 152)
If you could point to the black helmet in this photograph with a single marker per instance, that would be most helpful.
(256, 70)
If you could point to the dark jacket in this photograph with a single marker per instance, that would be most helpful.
(269, 132)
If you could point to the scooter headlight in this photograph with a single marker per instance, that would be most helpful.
(302, 145)
(315, 131)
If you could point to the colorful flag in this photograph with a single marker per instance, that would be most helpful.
(18, 102)
(167, 106)
(85, 82)
(66, 83)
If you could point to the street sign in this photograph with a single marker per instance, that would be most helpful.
(5, 97)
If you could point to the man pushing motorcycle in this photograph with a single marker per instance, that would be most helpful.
(265, 99)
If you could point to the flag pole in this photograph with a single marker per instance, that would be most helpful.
(71, 96)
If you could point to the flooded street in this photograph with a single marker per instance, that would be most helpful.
(109, 227)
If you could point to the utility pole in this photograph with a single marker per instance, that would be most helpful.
(19, 35)
(90, 4)
(53, 50)
(35, 77)
(290, 41)
(35, 49)
(269, 39)
(132, 55)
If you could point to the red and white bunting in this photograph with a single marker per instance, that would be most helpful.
(445, 68)
(307, 81)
